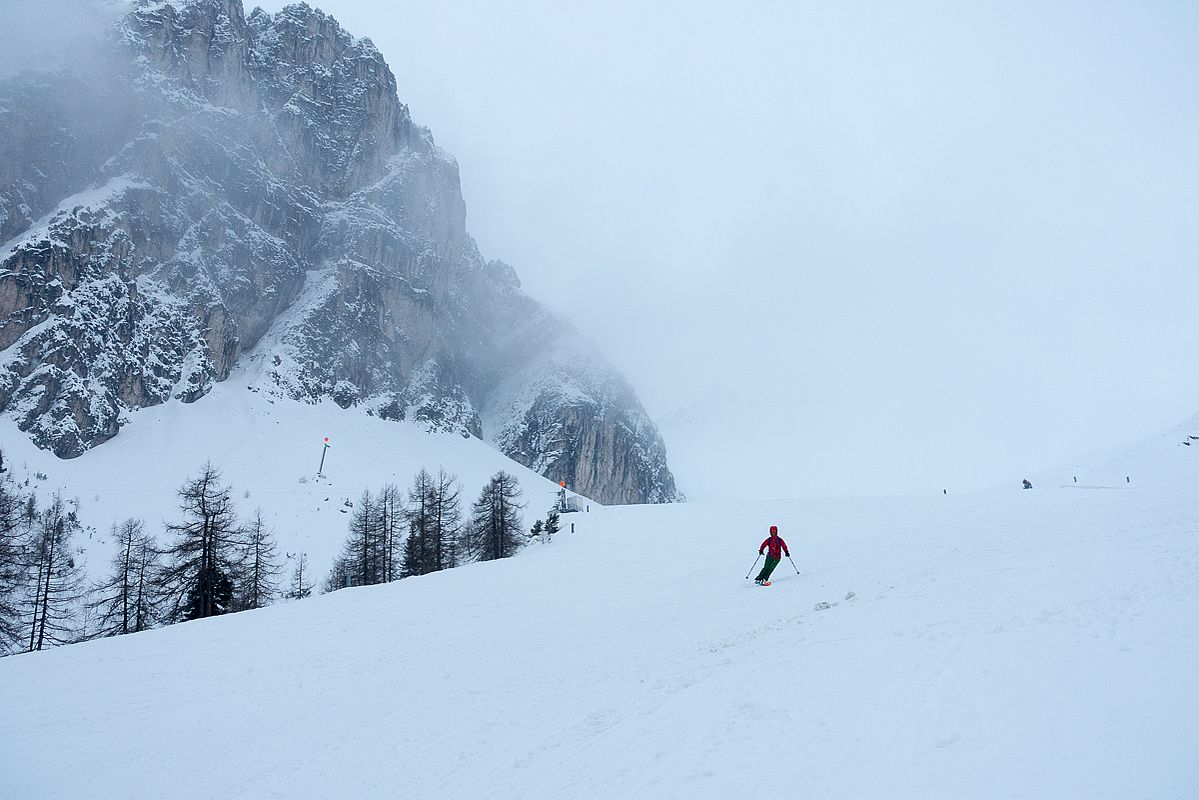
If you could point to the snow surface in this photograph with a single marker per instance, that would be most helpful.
(266, 446)
(1012, 644)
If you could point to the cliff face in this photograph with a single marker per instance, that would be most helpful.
(229, 190)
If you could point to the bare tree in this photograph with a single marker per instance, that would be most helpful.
(204, 559)
(127, 602)
(301, 580)
(13, 574)
(58, 578)
(416, 557)
(363, 560)
(434, 524)
(259, 584)
(391, 513)
(446, 521)
(341, 576)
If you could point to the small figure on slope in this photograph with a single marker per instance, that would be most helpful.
(1027, 483)
(776, 546)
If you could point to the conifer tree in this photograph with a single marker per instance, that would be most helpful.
(301, 582)
(212, 593)
(494, 530)
(147, 601)
(551, 525)
(127, 602)
(389, 507)
(367, 534)
(538, 531)
(445, 517)
(364, 555)
(205, 556)
(259, 584)
(340, 576)
(421, 526)
(434, 524)
(13, 575)
(58, 579)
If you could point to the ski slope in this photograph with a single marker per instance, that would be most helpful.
(1014, 644)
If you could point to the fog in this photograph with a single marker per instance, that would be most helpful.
(51, 34)
(837, 248)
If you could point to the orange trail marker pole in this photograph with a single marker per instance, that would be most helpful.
(321, 470)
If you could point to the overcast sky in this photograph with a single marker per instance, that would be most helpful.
(839, 247)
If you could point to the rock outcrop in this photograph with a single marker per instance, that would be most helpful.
(229, 190)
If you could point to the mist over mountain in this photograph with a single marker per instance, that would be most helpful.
(207, 188)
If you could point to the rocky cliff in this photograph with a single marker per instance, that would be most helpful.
(227, 190)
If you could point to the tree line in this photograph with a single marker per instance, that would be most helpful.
(393, 536)
(211, 562)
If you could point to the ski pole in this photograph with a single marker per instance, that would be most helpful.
(751, 569)
(793, 564)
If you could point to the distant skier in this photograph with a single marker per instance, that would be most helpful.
(776, 546)
(1027, 483)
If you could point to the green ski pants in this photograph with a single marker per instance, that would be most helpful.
(767, 568)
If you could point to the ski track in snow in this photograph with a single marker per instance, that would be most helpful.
(1009, 644)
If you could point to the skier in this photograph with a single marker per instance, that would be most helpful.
(776, 544)
(1027, 483)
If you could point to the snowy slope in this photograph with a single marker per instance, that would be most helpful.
(265, 446)
(1165, 459)
(1005, 645)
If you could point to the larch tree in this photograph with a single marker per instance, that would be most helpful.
(445, 516)
(495, 529)
(416, 556)
(58, 578)
(206, 555)
(127, 601)
(301, 579)
(389, 508)
(363, 557)
(434, 524)
(259, 584)
(13, 572)
(147, 601)
(340, 576)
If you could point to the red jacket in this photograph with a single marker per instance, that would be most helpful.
(775, 543)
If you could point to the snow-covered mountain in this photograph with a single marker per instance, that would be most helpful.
(267, 450)
(222, 188)
(1030, 644)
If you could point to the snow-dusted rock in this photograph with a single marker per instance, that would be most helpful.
(228, 187)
